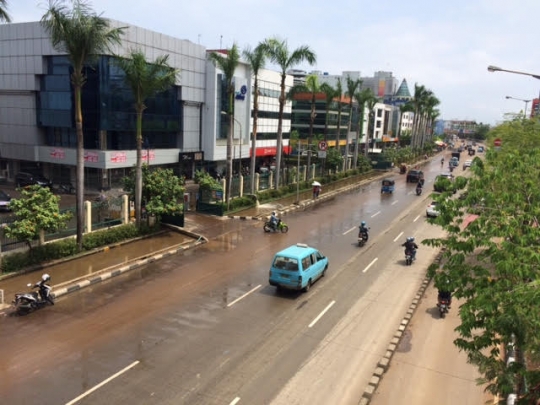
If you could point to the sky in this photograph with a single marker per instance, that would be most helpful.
(445, 46)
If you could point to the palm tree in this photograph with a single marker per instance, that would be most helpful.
(418, 105)
(145, 80)
(339, 94)
(330, 94)
(429, 110)
(256, 60)
(312, 87)
(4, 16)
(362, 97)
(278, 52)
(228, 65)
(352, 86)
(371, 101)
(83, 36)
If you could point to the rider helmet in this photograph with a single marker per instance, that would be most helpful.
(273, 212)
(412, 239)
(45, 277)
(363, 223)
(409, 239)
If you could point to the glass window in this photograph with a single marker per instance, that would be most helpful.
(285, 263)
(306, 263)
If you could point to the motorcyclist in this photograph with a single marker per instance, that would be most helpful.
(363, 230)
(445, 293)
(274, 220)
(442, 161)
(419, 187)
(44, 289)
(410, 247)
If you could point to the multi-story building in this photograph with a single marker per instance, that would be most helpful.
(37, 117)
(183, 127)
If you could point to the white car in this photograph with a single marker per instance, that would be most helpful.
(467, 163)
(431, 211)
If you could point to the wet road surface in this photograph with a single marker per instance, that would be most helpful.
(205, 327)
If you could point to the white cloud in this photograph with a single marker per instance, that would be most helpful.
(445, 46)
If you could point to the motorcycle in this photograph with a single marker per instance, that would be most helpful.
(409, 257)
(280, 227)
(30, 301)
(444, 306)
(418, 190)
(66, 188)
(362, 238)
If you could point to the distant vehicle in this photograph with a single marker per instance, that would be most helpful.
(5, 199)
(472, 152)
(454, 162)
(24, 179)
(431, 211)
(297, 267)
(388, 186)
(467, 163)
(480, 149)
(456, 155)
(414, 176)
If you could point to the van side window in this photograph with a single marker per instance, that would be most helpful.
(306, 263)
(313, 258)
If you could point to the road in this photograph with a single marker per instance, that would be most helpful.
(206, 328)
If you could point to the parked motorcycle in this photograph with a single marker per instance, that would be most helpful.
(30, 301)
(280, 227)
(66, 188)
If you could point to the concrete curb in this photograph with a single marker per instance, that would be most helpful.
(114, 271)
(384, 363)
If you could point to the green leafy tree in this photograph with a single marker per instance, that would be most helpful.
(330, 93)
(228, 64)
(145, 80)
(36, 211)
(4, 16)
(83, 36)
(256, 60)
(278, 52)
(162, 191)
(334, 159)
(481, 131)
(493, 264)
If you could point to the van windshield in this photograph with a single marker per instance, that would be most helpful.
(285, 263)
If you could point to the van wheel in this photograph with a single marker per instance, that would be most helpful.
(308, 286)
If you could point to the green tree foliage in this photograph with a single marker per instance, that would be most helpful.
(333, 159)
(162, 191)
(493, 264)
(207, 182)
(145, 80)
(36, 210)
(4, 16)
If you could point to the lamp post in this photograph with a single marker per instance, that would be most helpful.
(492, 68)
(520, 99)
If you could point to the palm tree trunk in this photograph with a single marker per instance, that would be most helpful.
(79, 209)
(310, 135)
(279, 140)
(138, 170)
(229, 161)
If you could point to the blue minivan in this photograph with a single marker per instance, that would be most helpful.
(297, 267)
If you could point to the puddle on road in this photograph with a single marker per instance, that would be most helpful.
(405, 344)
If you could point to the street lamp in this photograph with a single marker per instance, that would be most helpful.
(240, 157)
(520, 99)
(492, 68)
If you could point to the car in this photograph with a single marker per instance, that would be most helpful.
(25, 179)
(480, 149)
(414, 176)
(467, 163)
(297, 267)
(5, 199)
(431, 211)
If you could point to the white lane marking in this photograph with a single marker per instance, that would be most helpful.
(399, 236)
(321, 314)
(243, 296)
(350, 230)
(101, 384)
(369, 265)
(395, 202)
(235, 401)
(377, 213)
(416, 219)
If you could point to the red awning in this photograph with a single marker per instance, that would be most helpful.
(269, 151)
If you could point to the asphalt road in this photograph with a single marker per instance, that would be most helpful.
(206, 328)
